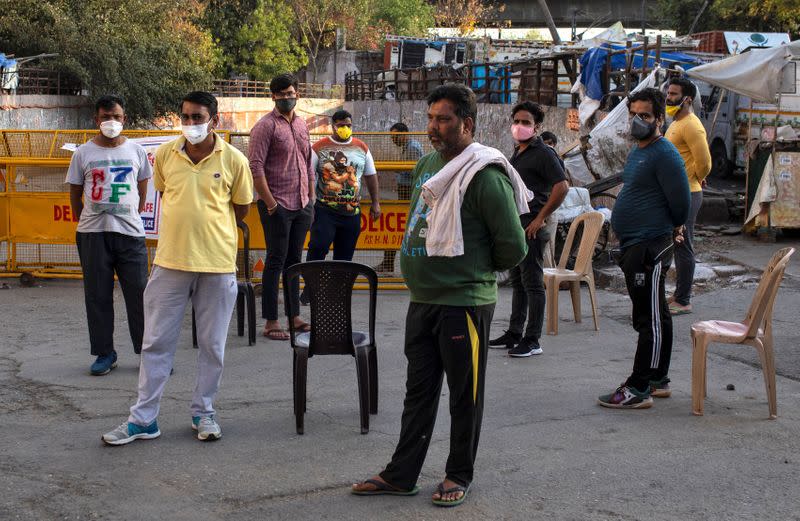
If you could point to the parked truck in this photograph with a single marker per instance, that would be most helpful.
(727, 125)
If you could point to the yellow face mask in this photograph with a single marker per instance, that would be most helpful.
(344, 132)
(672, 110)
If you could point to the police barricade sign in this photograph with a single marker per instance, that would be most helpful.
(151, 214)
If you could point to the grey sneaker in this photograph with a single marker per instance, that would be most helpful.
(127, 432)
(207, 429)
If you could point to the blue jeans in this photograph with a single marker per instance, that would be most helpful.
(330, 227)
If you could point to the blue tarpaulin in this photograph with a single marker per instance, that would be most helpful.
(593, 61)
(499, 80)
(6, 62)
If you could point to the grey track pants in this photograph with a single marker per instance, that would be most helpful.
(213, 296)
(684, 255)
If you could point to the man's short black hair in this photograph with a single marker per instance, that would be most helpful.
(687, 87)
(534, 108)
(399, 127)
(203, 98)
(107, 102)
(549, 136)
(283, 82)
(466, 106)
(340, 115)
(654, 96)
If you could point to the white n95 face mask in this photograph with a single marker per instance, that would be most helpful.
(111, 128)
(195, 134)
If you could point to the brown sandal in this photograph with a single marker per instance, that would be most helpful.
(305, 327)
(277, 333)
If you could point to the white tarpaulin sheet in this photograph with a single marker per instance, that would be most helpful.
(609, 141)
(756, 74)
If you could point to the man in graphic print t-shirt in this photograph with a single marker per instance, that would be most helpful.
(110, 174)
(341, 163)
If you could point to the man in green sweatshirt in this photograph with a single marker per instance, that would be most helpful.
(452, 303)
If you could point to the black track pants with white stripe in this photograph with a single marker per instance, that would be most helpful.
(442, 341)
(645, 267)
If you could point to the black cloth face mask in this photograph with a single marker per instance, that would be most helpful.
(640, 129)
(285, 105)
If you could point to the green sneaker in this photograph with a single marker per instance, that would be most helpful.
(626, 397)
(660, 388)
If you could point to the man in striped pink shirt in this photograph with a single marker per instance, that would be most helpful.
(280, 159)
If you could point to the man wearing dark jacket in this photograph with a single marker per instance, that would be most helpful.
(650, 211)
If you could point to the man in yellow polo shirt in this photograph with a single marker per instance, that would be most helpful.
(686, 132)
(206, 186)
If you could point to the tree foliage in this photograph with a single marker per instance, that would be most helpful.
(365, 22)
(255, 37)
(466, 15)
(733, 15)
(153, 51)
(148, 51)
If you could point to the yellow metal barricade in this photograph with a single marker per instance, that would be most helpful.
(37, 226)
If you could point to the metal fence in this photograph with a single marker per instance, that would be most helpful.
(37, 228)
(546, 80)
(34, 80)
(260, 89)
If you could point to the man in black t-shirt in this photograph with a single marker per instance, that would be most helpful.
(543, 173)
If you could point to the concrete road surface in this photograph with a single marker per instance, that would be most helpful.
(547, 450)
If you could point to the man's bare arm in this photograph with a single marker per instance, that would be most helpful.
(374, 194)
(142, 187)
(265, 194)
(241, 211)
(75, 199)
(557, 195)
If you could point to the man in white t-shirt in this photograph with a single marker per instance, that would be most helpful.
(108, 184)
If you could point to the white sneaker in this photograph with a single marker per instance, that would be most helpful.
(207, 429)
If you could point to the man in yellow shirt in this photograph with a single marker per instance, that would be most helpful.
(686, 132)
(206, 186)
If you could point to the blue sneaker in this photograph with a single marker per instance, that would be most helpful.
(127, 432)
(104, 364)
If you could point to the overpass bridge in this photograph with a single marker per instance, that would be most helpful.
(600, 13)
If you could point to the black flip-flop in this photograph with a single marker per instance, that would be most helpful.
(451, 503)
(384, 489)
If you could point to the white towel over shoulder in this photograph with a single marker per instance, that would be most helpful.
(444, 194)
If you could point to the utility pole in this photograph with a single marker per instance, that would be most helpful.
(697, 18)
(550, 23)
(644, 15)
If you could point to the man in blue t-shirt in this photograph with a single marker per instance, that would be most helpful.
(650, 211)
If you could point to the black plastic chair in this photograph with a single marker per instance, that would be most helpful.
(245, 298)
(330, 290)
